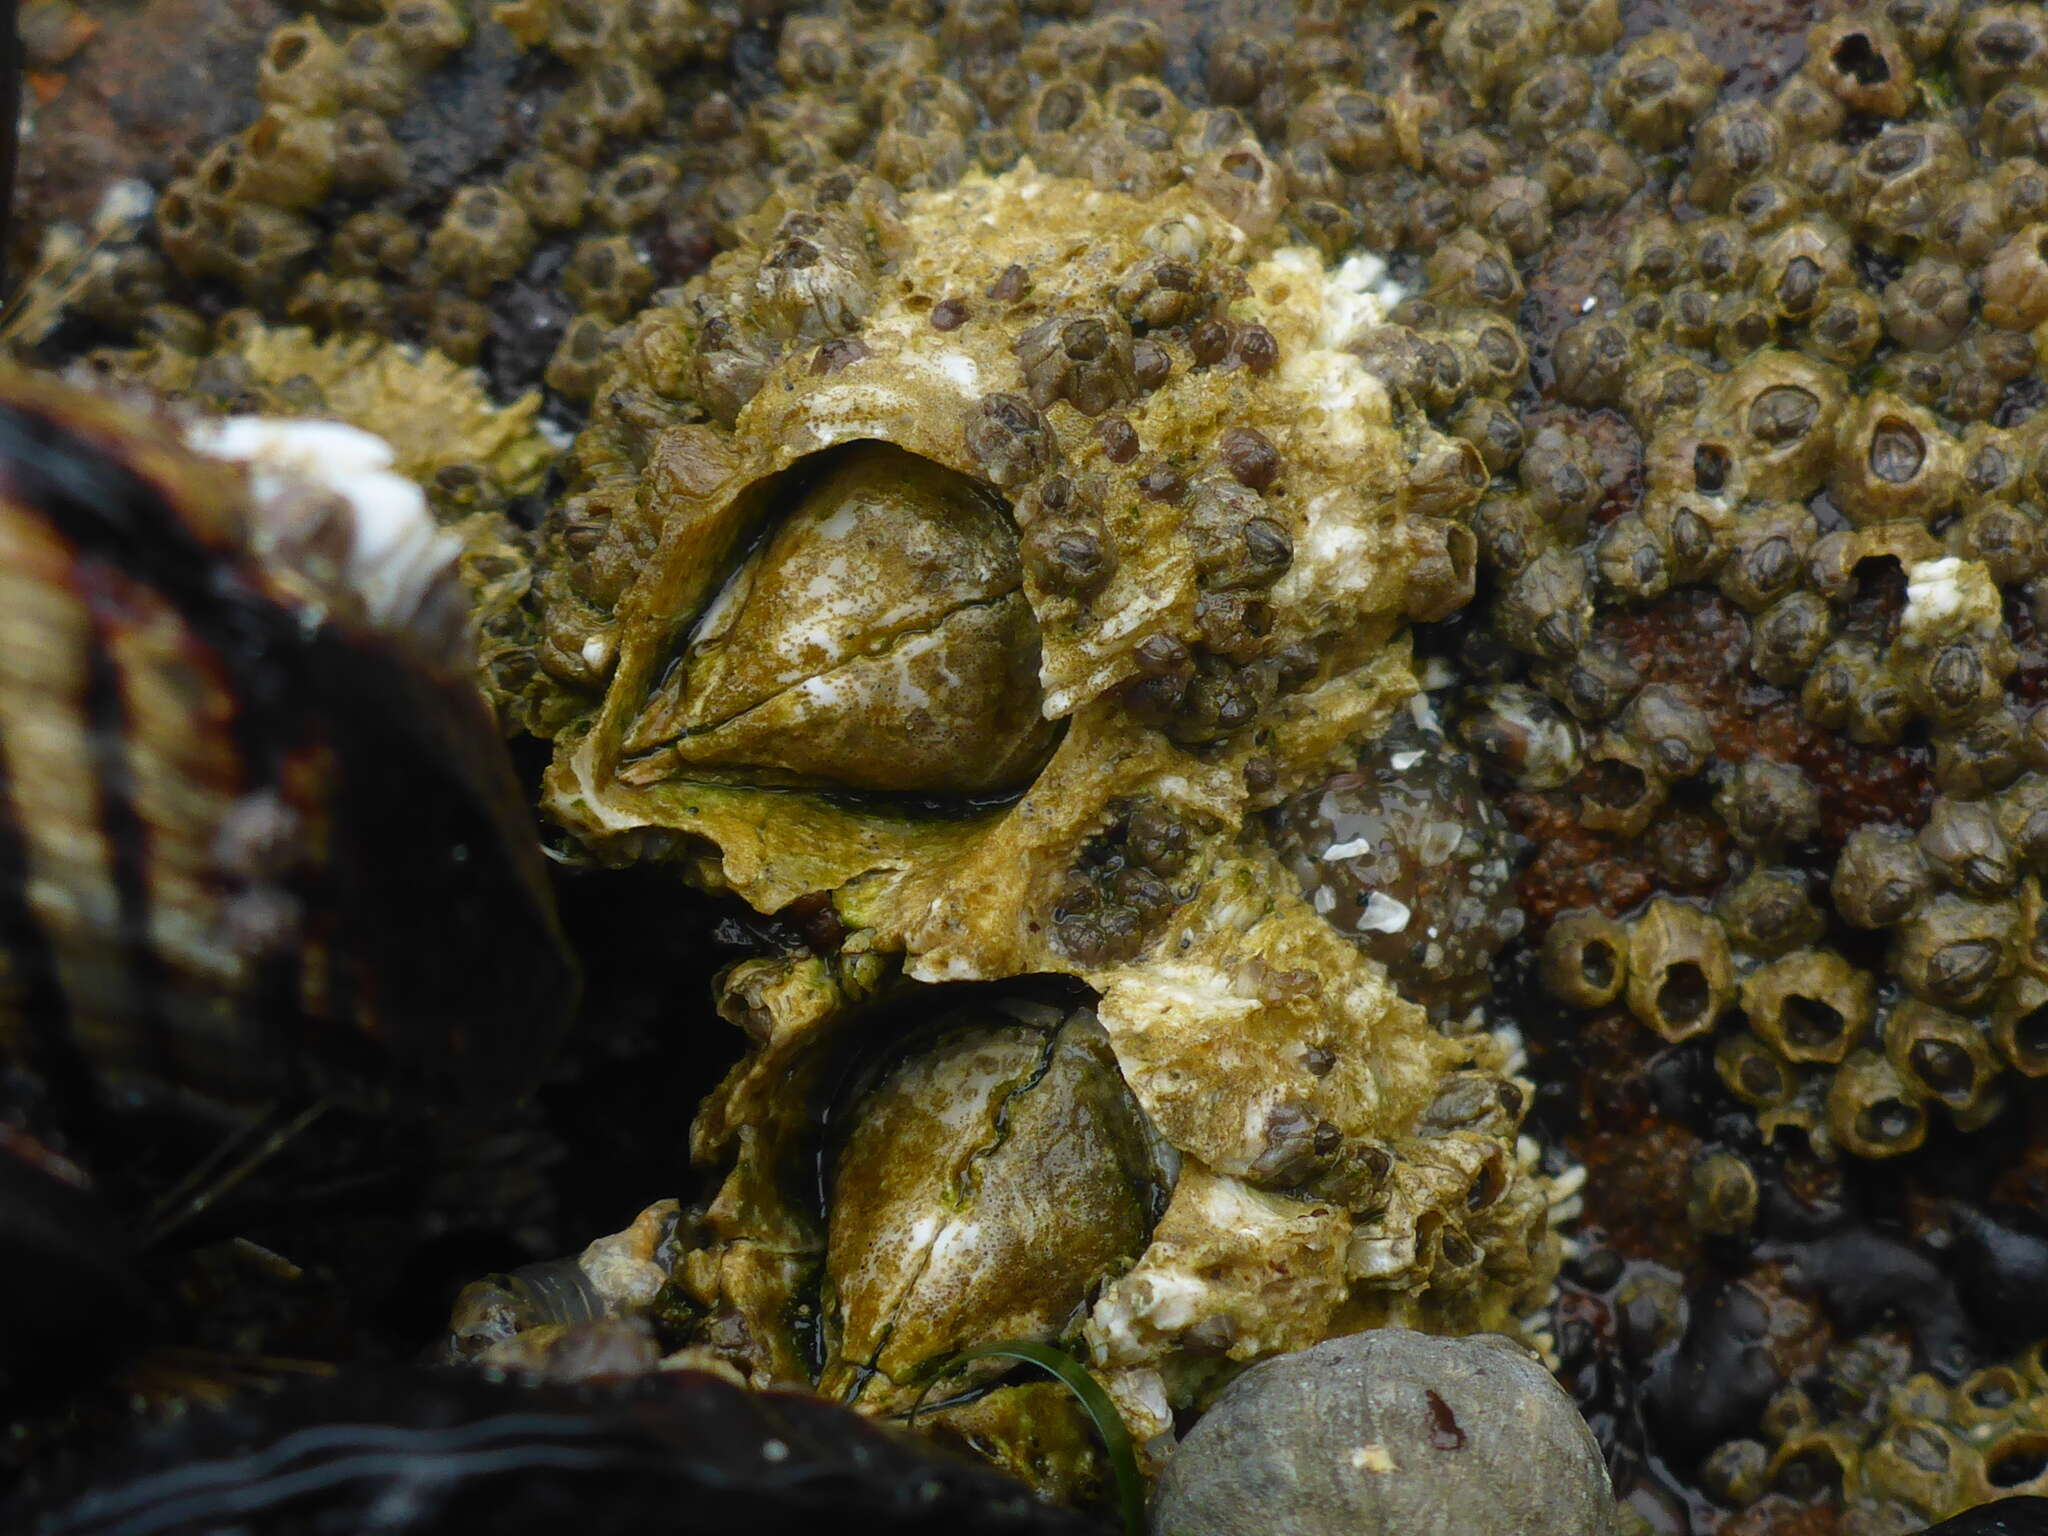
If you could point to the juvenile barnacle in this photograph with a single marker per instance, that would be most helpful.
(1846, 330)
(1587, 169)
(483, 239)
(1544, 609)
(1083, 359)
(1768, 805)
(1673, 731)
(1956, 950)
(1632, 561)
(1893, 461)
(1694, 532)
(1592, 360)
(1996, 44)
(2015, 281)
(1733, 145)
(1470, 271)
(1902, 178)
(1767, 554)
(1551, 100)
(1515, 210)
(1770, 913)
(1659, 85)
(1491, 44)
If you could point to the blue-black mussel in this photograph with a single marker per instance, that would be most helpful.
(436, 1452)
(260, 845)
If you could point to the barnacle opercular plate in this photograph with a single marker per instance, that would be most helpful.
(892, 469)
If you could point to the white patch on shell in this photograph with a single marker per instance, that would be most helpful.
(1946, 598)
(395, 551)
(124, 204)
(960, 368)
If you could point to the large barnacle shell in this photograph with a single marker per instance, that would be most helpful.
(879, 641)
(989, 1185)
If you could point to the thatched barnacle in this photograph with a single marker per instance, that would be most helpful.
(879, 640)
(986, 602)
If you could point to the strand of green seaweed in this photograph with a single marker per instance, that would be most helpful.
(1071, 1374)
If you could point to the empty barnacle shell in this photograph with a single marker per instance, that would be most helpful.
(1723, 1196)
(1625, 785)
(1585, 959)
(2019, 1026)
(1943, 1056)
(241, 737)
(1680, 978)
(1872, 1112)
(1753, 1072)
(1811, 1005)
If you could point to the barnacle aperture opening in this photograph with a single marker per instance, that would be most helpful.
(877, 638)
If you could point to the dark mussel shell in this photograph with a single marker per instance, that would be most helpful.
(258, 841)
(2002, 1517)
(260, 846)
(436, 1452)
